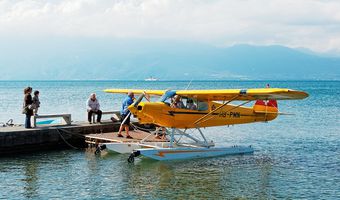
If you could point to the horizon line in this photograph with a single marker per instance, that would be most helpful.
(166, 80)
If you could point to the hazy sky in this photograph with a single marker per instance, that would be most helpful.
(313, 24)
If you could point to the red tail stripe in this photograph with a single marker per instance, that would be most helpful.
(271, 103)
(260, 102)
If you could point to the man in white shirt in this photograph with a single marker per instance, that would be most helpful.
(93, 107)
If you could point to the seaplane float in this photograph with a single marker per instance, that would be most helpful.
(198, 109)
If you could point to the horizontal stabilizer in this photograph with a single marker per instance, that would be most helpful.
(279, 113)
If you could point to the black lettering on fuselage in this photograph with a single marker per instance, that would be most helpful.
(230, 114)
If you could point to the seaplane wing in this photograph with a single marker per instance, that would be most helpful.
(226, 94)
(136, 91)
(243, 94)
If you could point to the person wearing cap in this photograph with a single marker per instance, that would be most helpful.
(93, 106)
(125, 115)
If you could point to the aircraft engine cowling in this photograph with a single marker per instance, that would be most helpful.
(145, 112)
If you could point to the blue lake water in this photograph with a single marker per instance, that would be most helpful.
(296, 157)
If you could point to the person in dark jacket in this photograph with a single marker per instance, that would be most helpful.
(28, 111)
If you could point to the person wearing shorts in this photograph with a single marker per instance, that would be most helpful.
(125, 115)
(127, 121)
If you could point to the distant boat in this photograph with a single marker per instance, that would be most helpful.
(151, 79)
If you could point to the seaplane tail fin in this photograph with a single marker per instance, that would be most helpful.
(266, 106)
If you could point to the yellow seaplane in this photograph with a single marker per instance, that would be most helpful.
(181, 110)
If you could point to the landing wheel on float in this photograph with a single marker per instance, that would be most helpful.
(132, 156)
(99, 149)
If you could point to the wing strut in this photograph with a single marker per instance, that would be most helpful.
(218, 108)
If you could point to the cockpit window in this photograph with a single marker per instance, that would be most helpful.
(191, 104)
(187, 102)
(195, 104)
(202, 106)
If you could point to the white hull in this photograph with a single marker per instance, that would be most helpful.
(129, 147)
(121, 147)
(180, 153)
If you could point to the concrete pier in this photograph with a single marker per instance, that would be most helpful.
(20, 140)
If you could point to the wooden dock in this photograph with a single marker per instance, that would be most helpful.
(17, 139)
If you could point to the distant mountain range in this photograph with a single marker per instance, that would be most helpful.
(165, 60)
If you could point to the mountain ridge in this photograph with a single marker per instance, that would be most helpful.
(177, 60)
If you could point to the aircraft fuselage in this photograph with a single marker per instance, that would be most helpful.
(161, 114)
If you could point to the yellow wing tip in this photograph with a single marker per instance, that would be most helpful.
(299, 94)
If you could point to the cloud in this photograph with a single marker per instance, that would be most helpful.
(313, 24)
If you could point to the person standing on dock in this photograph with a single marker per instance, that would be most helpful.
(125, 115)
(27, 107)
(93, 107)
